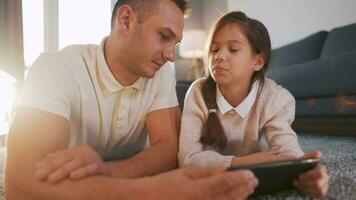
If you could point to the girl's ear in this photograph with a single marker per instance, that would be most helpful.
(258, 63)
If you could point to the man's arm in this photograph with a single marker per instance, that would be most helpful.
(163, 128)
(33, 135)
(36, 133)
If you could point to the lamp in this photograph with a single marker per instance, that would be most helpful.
(192, 47)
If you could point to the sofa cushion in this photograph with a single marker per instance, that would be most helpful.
(340, 40)
(319, 78)
(299, 52)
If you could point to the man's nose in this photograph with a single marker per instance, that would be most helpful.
(170, 53)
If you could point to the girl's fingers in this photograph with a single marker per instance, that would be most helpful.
(314, 182)
(276, 147)
(276, 150)
(315, 189)
(318, 172)
(311, 155)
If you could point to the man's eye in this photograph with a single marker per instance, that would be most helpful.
(234, 50)
(163, 37)
(214, 50)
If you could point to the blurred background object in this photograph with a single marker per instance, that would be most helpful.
(192, 47)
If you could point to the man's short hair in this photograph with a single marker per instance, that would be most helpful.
(142, 8)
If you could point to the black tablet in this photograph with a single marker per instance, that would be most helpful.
(277, 176)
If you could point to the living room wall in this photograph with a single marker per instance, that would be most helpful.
(290, 20)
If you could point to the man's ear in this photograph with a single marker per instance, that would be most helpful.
(258, 63)
(125, 16)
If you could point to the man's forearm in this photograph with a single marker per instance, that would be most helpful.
(94, 187)
(158, 158)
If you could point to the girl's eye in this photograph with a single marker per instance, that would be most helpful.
(214, 50)
(234, 50)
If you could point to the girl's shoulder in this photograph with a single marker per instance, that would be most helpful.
(194, 99)
(196, 86)
(275, 102)
(199, 82)
(274, 97)
(273, 91)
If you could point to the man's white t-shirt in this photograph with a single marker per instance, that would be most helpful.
(77, 84)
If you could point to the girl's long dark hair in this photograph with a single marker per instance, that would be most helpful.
(259, 40)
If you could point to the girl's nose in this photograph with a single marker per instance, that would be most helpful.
(220, 56)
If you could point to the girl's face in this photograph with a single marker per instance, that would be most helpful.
(232, 60)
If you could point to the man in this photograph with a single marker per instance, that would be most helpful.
(86, 104)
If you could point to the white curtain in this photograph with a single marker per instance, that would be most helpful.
(11, 39)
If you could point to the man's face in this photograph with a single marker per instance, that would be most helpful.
(151, 44)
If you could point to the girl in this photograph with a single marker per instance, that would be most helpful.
(228, 113)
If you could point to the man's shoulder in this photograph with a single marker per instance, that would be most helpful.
(78, 53)
(69, 54)
(71, 58)
(80, 49)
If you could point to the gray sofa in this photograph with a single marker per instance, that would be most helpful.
(320, 71)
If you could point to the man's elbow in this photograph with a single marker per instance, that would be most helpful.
(166, 154)
(13, 189)
(18, 184)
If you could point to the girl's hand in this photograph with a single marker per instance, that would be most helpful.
(315, 182)
(271, 155)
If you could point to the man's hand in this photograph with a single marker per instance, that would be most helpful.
(198, 183)
(315, 182)
(271, 155)
(75, 163)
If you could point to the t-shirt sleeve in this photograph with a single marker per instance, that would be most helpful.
(166, 96)
(49, 86)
